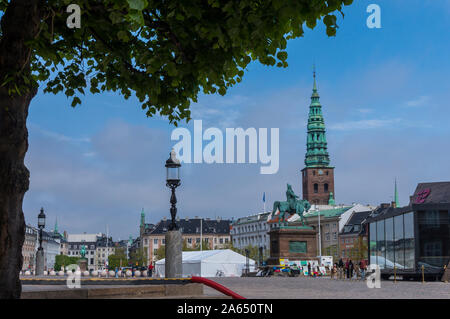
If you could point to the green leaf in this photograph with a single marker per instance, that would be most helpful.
(137, 4)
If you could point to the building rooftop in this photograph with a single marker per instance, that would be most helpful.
(327, 213)
(83, 237)
(192, 226)
(353, 225)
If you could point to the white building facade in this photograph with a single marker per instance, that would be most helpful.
(251, 231)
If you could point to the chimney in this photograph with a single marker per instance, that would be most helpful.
(384, 205)
(394, 204)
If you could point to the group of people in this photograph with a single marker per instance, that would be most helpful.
(349, 270)
(133, 269)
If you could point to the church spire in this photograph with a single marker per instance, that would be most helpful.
(55, 230)
(397, 204)
(142, 217)
(316, 144)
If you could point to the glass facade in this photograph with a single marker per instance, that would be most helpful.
(399, 246)
(392, 243)
(389, 232)
(434, 235)
(373, 242)
(408, 221)
(381, 245)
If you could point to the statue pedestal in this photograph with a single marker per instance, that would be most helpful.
(82, 263)
(292, 242)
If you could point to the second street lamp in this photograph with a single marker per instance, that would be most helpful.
(173, 181)
(40, 252)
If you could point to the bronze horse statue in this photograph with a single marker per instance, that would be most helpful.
(292, 206)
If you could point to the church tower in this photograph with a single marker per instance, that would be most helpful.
(318, 175)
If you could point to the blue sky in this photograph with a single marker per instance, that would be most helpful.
(384, 94)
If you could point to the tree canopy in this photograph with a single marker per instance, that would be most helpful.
(164, 52)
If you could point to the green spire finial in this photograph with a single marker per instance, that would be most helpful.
(142, 217)
(396, 194)
(314, 75)
(56, 226)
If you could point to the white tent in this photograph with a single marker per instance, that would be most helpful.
(209, 263)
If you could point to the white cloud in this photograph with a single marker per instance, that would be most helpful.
(364, 124)
(420, 101)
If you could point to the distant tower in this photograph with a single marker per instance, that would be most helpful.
(397, 204)
(318, 175)
(142, 226)
(56, 226)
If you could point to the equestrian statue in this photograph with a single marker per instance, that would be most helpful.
(291, 206)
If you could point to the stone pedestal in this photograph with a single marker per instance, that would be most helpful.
(40, 263)
(174, 246)
(292, 242)
(82, 263)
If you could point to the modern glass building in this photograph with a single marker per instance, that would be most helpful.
(410, 237)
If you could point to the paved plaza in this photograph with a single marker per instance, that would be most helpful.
(297, 288)
(318, 288)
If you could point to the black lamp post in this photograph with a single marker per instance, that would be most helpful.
(173, 181)
(41, 225)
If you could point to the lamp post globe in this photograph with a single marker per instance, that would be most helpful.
(173, 181)
(173, 170)
(41, 219)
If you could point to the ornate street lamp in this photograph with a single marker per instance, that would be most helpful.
(173, 181)
(41, 226)
(40, 252)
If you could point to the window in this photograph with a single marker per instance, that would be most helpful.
(226, 240)
(389, 224)
(381, 245)
(221, 240)
(316, 188)
(399, 248)
(409, 240)
(155, 241)
(197, 240)
(163, 241)
(189, 240)
(325, 187)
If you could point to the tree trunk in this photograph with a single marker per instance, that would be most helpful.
(19, 24)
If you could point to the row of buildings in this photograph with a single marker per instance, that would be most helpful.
(97, 247)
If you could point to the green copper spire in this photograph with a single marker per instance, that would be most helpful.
(397, 204)
(316, 144)
(142, 218)
(55, 231)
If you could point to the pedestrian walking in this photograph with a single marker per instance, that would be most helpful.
(362, 267)
(150, 270)
(350, 268)
(347, 270)
(116, 271)
(341, 269)
(334, 271)
(309, 269)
